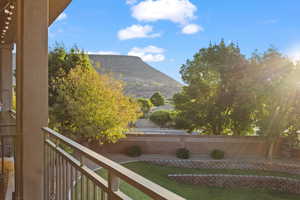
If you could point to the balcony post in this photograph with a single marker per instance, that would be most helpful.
(32, 96)
(6, 75)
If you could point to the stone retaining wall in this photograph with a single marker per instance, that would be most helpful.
(290, 168)
(281, 184)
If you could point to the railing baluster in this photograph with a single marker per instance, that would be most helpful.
(94, 192)
(113, 184)
(46, 149)
(56, 177)
(87, 189)
(52, 193)
(72, 183)
(76, 185)
(82, 186)
(67, 179)
(2, 154)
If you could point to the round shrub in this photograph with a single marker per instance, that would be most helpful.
(134, 151)
(183, 153)
(157, 99)
(217, 154)
(161, 117)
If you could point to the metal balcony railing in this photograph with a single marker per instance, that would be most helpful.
(7, 154)
(70, 174)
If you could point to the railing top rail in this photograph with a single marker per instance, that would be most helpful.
(148, 187)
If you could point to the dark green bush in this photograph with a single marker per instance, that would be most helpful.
(134, 151)
(157, 99)
(183, 153)
(161, 117)
(217, 154)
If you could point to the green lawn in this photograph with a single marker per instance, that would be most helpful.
(158, 174)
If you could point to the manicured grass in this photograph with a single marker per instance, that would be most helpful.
(158, 174)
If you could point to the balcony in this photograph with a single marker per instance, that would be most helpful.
(69, 175)
(70, 170)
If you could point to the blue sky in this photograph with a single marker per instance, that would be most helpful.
(167, 32)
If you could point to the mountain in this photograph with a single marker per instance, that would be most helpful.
(141, 80)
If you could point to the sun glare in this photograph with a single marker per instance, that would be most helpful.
(295, 56)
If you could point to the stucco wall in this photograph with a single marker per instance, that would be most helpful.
(233, 146)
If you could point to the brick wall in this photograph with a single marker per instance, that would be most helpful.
(234, 146)
(281, 184)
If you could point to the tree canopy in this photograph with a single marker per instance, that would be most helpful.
(86, 105)
(227, 93)
(157, 99)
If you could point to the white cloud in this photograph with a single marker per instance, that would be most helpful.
(103, 52)
(148, 54)
(62, 16)
(177, 11)
(191, 29)
(131, 2)
(137, 31)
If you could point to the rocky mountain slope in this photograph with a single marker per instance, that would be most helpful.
(141, 80)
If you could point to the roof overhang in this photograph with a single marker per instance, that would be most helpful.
(8, 17)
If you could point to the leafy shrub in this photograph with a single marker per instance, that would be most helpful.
(179, 121)
(183, 153)
(145, 105)
(161, 117)
(217, 154)
(134, 151)
(157, 99)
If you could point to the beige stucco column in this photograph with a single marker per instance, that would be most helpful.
(6, 75)
(32, 93)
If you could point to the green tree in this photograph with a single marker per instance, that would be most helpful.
(85, 105)
(278, 95)
(60, 63)
(157, 99)
(145, 105)
(95, 106)
(212, 99)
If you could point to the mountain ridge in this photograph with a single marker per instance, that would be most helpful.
(141, 79)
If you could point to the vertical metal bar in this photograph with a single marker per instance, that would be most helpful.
(81, 185)
(76, 184)
(94, 192)
(102, 194)
(60, 177)
(45, 170)
(56, 176)
(87, 189)
(72, 183)
(15, 163)
(113, 184)
(2, 154)
(52, 173)
(63, 169)
(67, 179)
